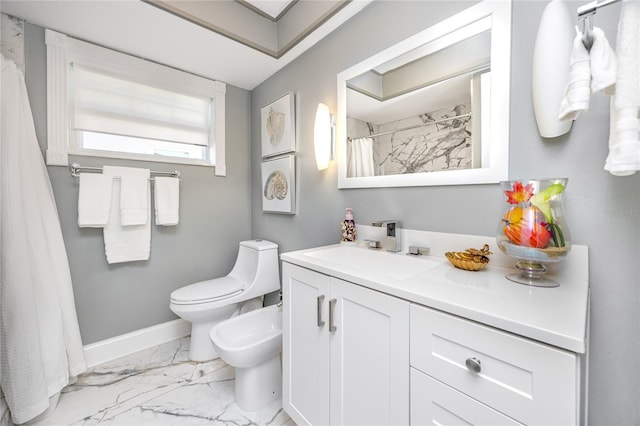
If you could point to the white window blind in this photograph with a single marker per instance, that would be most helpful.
(105, 103)
(108, 104)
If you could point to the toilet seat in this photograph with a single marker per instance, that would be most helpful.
(207, 291)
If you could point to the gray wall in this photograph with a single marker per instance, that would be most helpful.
(214, 217)
(216, 213)
(603, 211)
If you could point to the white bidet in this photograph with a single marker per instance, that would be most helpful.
(252, 343)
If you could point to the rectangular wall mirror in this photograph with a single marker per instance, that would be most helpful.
(431, 110)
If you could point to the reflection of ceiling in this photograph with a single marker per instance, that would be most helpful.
(433, 76)
(428, 99)
(240, 42)
(404, 75)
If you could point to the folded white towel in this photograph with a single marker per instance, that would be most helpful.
(134, 197)
(603, 64)
(624, 136)
(577, 93)
(94, 200)
(125, 243)
(167, 200)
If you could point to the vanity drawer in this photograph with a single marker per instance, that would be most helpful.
(434, 403)
(530, 382)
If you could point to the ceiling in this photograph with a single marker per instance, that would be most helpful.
(272, 8)
(239, 42)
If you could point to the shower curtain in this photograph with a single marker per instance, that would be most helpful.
(40, 344)
(360, 158)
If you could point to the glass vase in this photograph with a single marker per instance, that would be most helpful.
(533, 228)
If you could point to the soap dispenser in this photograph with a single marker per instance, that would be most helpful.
(348, 227)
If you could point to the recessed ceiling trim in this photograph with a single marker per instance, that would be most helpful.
(262, 13)
(150, 32)
(168, 7)
(171, 7)
(313, 26)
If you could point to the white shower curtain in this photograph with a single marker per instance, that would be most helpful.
(40, 344)
(360, 158)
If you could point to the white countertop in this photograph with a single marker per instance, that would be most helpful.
(556, 316)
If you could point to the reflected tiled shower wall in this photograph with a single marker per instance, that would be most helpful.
(424, 147)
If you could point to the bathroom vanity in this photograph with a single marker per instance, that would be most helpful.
(373, 337)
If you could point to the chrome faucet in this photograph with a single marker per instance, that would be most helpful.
(393, 242)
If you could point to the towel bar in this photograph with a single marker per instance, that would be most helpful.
(585, 12)
(590, 8)
(76, 169)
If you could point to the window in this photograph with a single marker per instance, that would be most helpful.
(108, 104)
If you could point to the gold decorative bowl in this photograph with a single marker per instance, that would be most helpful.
(471, 259)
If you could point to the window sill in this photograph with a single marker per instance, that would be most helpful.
(139, 157)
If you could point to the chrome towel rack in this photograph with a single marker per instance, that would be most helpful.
(76, 169)
(589, 9)
(585, 12)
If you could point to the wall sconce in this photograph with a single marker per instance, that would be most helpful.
(323, 136)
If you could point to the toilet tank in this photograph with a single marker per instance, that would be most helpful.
(257, 267)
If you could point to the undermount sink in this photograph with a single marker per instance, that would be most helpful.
(392, 265)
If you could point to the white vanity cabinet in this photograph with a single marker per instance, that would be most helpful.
(466, 371)
(346, 352)
(378, 338)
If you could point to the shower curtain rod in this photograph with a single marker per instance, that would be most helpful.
(76, 169)
(413, 127)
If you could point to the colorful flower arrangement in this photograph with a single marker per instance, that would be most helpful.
(530, 222)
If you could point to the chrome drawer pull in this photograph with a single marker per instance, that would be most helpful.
(473, 365)
(332, 306)
(319, 310)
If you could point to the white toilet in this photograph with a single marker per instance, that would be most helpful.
(206, 303)
(252, 343)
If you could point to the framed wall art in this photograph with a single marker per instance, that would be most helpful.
(279, 185)
(277, 126)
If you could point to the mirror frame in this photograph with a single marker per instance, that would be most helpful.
(498, 168)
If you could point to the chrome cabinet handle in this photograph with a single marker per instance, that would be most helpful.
(473, 365)
(319, 310)
(332, 305)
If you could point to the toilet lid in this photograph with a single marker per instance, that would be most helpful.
(207, 291)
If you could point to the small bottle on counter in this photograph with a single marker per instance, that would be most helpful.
(348, 227)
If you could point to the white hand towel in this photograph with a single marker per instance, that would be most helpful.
(603, 64)
(577, 93)
(124, 243)
(94, 200)
(624, 135)
(167, 200)
(134, 197)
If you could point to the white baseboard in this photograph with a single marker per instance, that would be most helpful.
(126, 344)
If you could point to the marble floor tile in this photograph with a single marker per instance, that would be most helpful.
(159, 386)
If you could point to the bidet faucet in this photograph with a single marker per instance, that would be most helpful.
(393, 241)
